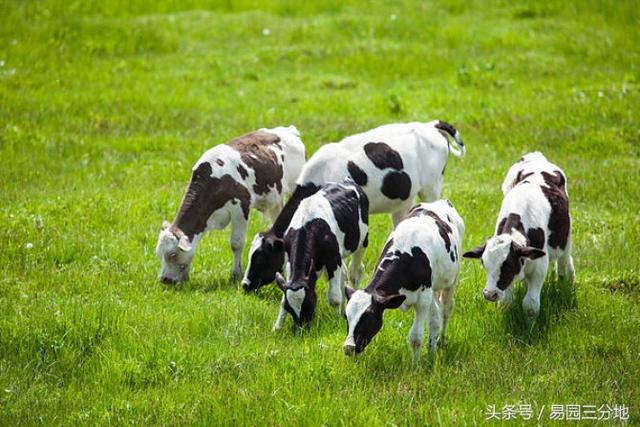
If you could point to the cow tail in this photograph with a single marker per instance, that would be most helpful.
(448, 129)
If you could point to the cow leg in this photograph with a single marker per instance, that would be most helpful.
(431, 193)
(237, 239)
(416, 334)
(531, 301)
(565, 264)
(356, 267)
(434, 324)
(273, 213)
(334, 291)
(399, 215)
(281, 315)
(447, 304)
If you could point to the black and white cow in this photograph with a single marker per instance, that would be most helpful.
(327, 227)
(252, 171)
(532, 231)
(392, 164)
(418, 268)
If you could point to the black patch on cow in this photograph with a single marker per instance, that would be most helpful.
(444, 229)
(345, 204)
(557, 179)
(535, 237)
(396, 270)
(396, 185)
(364, 205)
(454, 254)
(512, 221)
(417, 210)
(220, 162)
(383, 156)
(365, 244)
(242, 171)
(204, 196)
(368, 325)
(521, 177)
(359, 176)
(509, 269)
(283, 220)
(311, 248)
(559, 220)
(446, 128)
(255, 150)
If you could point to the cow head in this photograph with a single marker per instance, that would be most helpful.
(299, 300)
(503, 259)
(266, 258)
(364, 314)
(175, 252)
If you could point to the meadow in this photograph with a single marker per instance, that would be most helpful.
(104, 107)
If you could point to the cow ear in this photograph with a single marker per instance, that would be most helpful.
(475, 253)
(391, 301)
(530, 252)
(184, 244)
(348, 292)
(280, 281)
(165, 224)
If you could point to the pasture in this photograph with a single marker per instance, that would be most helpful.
(104, 107)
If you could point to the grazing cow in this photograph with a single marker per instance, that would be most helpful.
(418, 268)
(392, 164)
(327, 227)
(533, 230)
(254, 170)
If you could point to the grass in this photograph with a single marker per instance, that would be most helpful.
(104, 106)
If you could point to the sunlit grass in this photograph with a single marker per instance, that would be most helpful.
(104, 107)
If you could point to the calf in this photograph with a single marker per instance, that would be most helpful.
(326, 228)
(392, 164)
(252, 171)
(418, 267)
(533, 230)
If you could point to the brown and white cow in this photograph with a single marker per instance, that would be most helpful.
(392, 164)
(252, 171)
(533, 230)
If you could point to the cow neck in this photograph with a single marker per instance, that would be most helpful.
(284, 218)
(382, 283)
(302, 257)
(192, 212)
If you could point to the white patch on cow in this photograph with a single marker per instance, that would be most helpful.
(357, 305)
(295, 299)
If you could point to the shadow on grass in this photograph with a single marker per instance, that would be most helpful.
(557, 297)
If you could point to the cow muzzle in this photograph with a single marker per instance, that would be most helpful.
(349, 349)
(167, 280)
(246, 285)
(490, 295)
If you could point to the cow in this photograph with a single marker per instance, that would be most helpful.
(392, 164)
(418, 268)
(532, 231)
(327, 227)
(252, 171)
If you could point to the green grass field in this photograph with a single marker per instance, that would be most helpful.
(105, 106)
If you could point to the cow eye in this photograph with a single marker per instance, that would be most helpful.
(172, 256)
